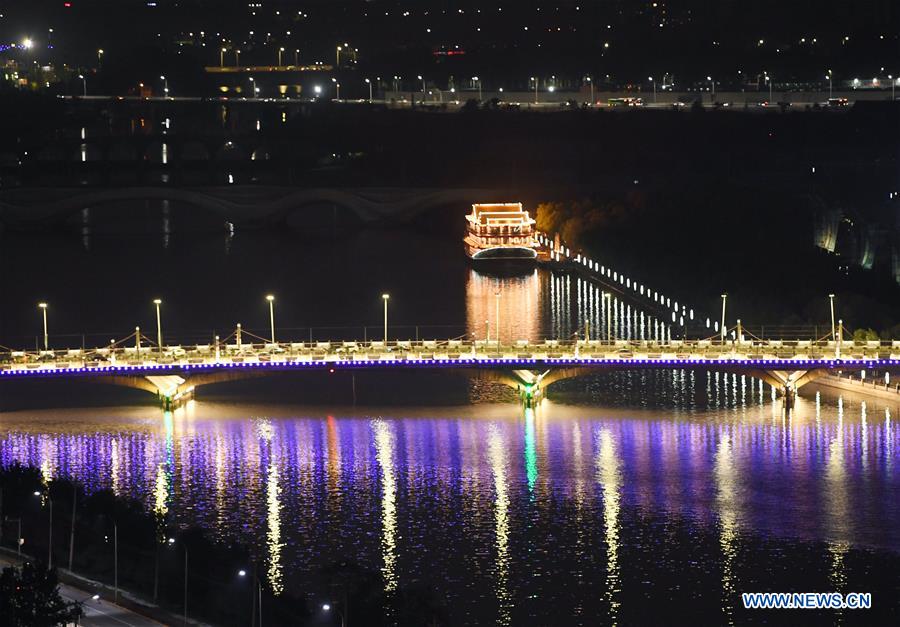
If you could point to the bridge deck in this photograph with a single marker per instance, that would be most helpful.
(770, 355)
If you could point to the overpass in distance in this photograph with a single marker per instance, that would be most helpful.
(173, 373)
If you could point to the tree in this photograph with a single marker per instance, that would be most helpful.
(29, 597)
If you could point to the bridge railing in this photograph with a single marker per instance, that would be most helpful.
(447, 348)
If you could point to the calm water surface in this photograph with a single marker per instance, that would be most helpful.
(570, 510)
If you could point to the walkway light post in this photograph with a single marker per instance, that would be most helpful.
(591, 83)
(724, 298)
(159, 340)
(369, 83)
(43, 308)
(83, 84)
(385, 298)
(271, 300)
(50, 538)
(831, 302)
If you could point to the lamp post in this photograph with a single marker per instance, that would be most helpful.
(159, 338)
(712, 97)
(222, 57)
(653, 82)
(43, 308)
(165, 86)
(475, 79)
(829, 77)
(326, 607)
(237, 57)
(83, 84)
(831, 302)
(337, 87)
(534, 78)
(50, 538)
(296, 56)
(99, 57)
(337, 60)
(280, 54)
(421, 78)
(591, 83)
(893, 85)
(724, 298)
(257, 592)
(369, 83)
(385, 298)
(271, 300)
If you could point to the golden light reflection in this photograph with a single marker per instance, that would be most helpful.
(384, 450)
(728, 504)
(519, 303)
(273, 530)
(609, 477)
(334, 461)
(498, 460)
(114, 466)
(161, 491)
(837, 511)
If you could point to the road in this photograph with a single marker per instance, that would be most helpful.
(101, 613)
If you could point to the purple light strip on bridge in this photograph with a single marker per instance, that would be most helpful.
(600, 364)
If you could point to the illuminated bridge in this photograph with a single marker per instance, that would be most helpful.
(174, 372)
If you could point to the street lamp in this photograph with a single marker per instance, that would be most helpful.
(83, 84)
(831, 302)
(893, 85)
(317, 89)
(385, 298)
(28, 43)
(769, 81)
(222, 57)
(43, 308)
(327, 608)
(100, 56)
(171, 543)
(159, 340)
(423, 82)
(650, 78)
(50, 543)
(591, 83)
(338, 58)
(271, 300)
(829, 76)
(369, 83)
(280, 53)
(534, 78)
(257, 592)
(477, 80)
(165, 85)
(712, 83)
(724, 298)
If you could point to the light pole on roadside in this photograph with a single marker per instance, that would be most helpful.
(50, 538)
(83, 84)
(829, 76)
(385, 298)
(43, 308)
(712, 83)
(271, 299)
(280, 55)
(165, 86)
(653, 82)
(327, 607)
(724, 298)
(475, 79)
(222, 57)
(591, 83)
(369, 83)
(534, 78)
(159, 338)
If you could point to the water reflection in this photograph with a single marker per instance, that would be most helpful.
(546, 304)
(501, 500)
